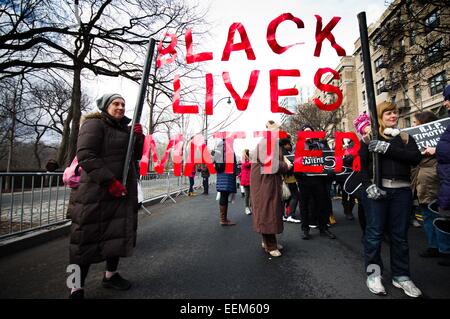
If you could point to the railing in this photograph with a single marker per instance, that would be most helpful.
(33, 201)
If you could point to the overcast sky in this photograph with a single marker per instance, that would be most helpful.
(255, 15)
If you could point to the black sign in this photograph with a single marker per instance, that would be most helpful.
(428, 135)
(327, 161)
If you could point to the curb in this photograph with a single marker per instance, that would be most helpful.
(41, 236)
(32, 239)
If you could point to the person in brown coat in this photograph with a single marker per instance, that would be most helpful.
(266, 194)
(104, 214)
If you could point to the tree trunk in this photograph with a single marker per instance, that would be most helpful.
(66, 153)
(36, 151)
(76, 115)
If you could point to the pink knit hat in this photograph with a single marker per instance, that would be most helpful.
(361, 122)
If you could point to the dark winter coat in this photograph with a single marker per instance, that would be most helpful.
(103, 226)
(225, 182)
(425, 180)
(396, 163)
(266, 192)
(443, 169)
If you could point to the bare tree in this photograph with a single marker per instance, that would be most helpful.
(311, 115)
(102, 37)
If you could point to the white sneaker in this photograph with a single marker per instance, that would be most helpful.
(284, 219)
(408, 287)
(248, 211)
(292, 220)
(375, 285)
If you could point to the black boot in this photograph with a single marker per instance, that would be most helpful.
(445, 260)
(430, 253)
(78, 294)
(116, 282)
(327, 233)
(306, 235)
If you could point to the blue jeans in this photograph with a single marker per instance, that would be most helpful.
(435, 238)
(393, 213)
(191, 184)
(430, 231)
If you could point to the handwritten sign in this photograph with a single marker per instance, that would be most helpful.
(428, 135)
(327, 160)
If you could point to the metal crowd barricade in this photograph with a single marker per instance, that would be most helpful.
(164, 186)
(31, 201)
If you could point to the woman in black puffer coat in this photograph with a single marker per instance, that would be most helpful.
(104, 213)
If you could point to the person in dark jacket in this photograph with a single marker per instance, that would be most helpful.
(389, 203)
(204, 172)
(104, 216)
(443, 169)
(290, 180)
(314, 193)
(226, 182)
(425, 183)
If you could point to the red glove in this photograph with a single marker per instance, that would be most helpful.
(138, 129)
(116, 188)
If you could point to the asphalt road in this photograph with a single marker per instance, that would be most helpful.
(184, 253)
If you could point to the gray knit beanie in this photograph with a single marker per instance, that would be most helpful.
(106, 99)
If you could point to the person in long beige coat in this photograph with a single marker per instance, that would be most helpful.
(266, 194)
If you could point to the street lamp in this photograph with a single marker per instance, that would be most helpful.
(206, 116)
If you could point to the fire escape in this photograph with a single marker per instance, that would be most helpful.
(393, 56)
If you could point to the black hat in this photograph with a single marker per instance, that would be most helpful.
(304, 126)
(285, 141)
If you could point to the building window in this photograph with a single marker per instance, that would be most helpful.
(409, 6)
(362, 77)
(364, 96)
(380, 86)
(412, 38)
(360, 57)
(434, 51)
(403, 69)
(437, 83)
(405, 99)
(379, 64)
(432, 20)
(415, 63)
(417, 93)
(376, 42)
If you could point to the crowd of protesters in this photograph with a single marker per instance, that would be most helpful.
(273, 197)
(384, 209)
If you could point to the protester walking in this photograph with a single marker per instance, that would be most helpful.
(443, 168)
(104, 216)
(389, 205)
(290, 205)
(226, 182)
(245, 179)
(204, 172)
(314, 193)
(192, 181)
(266, 193)
(425, 184)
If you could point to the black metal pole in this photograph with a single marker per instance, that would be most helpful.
(365, 49)
(139, 106)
